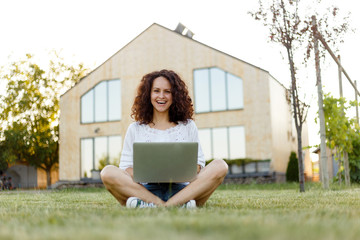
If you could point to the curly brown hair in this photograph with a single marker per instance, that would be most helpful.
(181, 108)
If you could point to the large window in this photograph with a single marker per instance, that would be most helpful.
(102, 103)
(217, 90)
(225, 142)
(99, 151)
(87, 157)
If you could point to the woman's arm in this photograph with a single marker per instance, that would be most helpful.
(126, 160)
(130, 171)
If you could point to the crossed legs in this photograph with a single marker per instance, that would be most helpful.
(121, 185)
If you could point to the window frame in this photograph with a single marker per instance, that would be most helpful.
(210, 100)
(228, 140)
(107, 103)
(93, 151)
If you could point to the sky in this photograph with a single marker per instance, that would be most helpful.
(92, 31)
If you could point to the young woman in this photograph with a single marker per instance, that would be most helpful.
(163, 112)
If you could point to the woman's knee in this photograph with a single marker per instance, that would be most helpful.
(108, 174)
(220, 167)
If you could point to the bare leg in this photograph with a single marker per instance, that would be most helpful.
(203, 186)
(121, 185)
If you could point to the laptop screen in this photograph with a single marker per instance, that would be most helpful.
(165, 161)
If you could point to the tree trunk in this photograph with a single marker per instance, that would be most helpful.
(48, 177)
(301, 163)
(323, 157)
(347, 169)
(346, 162)
(297, 118)
(338, 154)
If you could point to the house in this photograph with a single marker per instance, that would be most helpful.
(332, 163)
(242, 112)
(24, 175)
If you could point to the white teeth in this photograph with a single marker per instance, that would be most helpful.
(161, 102)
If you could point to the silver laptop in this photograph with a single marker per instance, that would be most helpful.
(165, 162)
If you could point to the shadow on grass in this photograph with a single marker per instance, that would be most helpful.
(256, 186)
(285, 186)
(309, 186)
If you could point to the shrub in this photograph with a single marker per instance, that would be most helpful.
(292, 171)
(354, 160)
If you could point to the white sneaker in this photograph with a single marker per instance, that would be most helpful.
(189, 205)
(134, 202)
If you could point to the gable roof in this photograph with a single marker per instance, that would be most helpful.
(155, 24)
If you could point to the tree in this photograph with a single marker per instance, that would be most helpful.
(319, 30)
(30, 110)
(342, 133)
(289, 26)
(3, 158)
(292, 171)
(354, 157)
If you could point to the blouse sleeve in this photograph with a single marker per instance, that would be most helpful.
(126, 159)
(195, 138)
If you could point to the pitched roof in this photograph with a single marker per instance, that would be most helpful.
(155, 24)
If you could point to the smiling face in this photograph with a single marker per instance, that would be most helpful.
(161, 97)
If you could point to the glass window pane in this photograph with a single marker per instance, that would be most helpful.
(86, 157)
(237, 142)
(101, 151)
(114, 100)
(220, 143)
(235, 92)
(218, 94)
(201, 90)
(114, 150)
(263, 166)
(250, 168)
(236, 169)
(205, 142)
(87, 107)
(101, 102)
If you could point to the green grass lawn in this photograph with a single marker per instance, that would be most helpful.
(271, 211)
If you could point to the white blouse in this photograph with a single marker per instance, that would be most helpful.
(183, 132)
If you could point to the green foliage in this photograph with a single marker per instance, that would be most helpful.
(3, 162)
(104, 161)
(15, 146)
(338, 126)
(354, 158)
(342, 132)
(292, 170)
(29, 109)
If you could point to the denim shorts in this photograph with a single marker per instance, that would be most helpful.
(165, 190)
